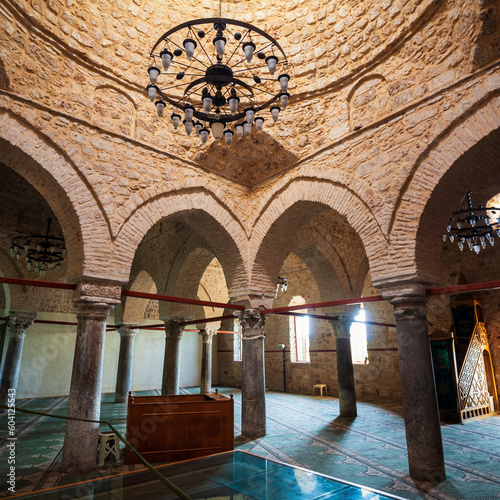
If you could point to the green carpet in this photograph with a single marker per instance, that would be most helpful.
(301, 430)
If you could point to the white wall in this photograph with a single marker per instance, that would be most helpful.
(48, 351)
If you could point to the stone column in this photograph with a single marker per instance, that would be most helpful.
(206, 361)
(171, 363)
(93, 304)
(421, 414)
(125, 362)
(345, 373)
(253, 388)
(17, 327)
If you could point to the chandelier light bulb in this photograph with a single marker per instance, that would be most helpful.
(176, 120)
(233, 102)
(249, 49)
(166, 58)
(247, 128)
(188, 126)
(204, 135)
(207, 103)
(452, 238)
(271, 62)
(188, 113)
(152, 89)
(259, 121)
(153, 74)
(275, 112)
(28, 266)
(284, 79)
(239, 129)
(189, 46)
(228, 136)
(38, 248)
(284, 96)
(217, 130)
(249, 114)
(459, 224)
(160, 107)
(461, 245)
(197, 127)
(220, 45)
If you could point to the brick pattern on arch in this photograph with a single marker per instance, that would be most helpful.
(407, 234)
(199, 208)
(43, 166)
(299, 202)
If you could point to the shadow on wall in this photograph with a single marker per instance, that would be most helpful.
(4, 78)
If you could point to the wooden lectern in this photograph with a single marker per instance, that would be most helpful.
(173, 428)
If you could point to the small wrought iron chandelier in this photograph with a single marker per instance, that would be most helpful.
(219, 73)
(41, 253)
(473, 226)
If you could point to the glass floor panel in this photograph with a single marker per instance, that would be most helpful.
(234, 475)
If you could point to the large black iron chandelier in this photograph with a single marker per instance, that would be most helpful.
(220, 73)
(473, 227)
(40, 253)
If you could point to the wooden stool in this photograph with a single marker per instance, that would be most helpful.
(320, 387)
(108, 444)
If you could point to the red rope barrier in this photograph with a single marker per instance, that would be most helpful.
(126, 293)
(167, 298)
(333, 318)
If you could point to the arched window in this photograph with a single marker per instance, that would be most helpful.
(359, 346)
(299, 334)
(237, 343)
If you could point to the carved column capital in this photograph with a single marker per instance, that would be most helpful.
(252, 324)
(173, 329)
(19, 323)
(127, 330)
(342, 326)
(207, 335)
(409, 300)
(94, 299)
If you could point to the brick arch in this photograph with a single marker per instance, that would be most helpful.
(297, 203)
(198, 209)
(131, 310)
(114, 110)
(190, 270)
(49, 171)
(465, 157)
(324, 262)
(367, 101)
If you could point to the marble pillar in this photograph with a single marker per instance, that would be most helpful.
(345, 373)
(17, 326)
(93, 303)
(253, 388)
(206, 361)
(125, 362)
(171, 363)
(421, 413)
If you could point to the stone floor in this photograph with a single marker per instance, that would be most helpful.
(301, 430)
